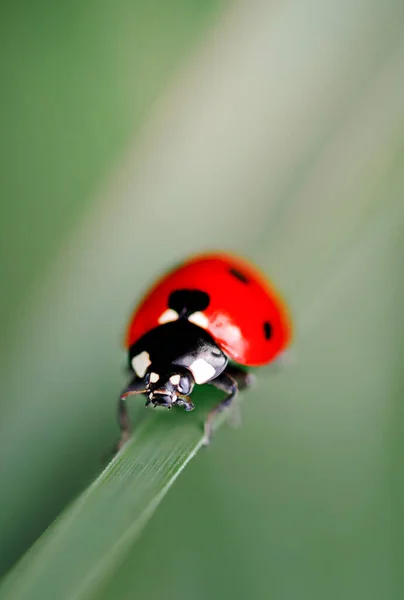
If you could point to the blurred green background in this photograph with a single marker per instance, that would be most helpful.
(135, 133)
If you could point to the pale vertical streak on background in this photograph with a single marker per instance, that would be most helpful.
(327, 211)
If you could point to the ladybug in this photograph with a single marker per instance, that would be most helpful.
(212, 309)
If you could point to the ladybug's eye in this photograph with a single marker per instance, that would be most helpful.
(184, 386)
(182, 383)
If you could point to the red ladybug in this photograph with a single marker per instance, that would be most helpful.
(209, 310)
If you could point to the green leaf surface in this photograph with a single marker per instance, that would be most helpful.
(96, 531)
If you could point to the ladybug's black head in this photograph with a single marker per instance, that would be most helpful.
(167, 387)
(173, 357)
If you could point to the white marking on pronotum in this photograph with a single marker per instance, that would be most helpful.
(175, 379)
(202, 370)
(198, 318)
(140, 363)
(154, 377)
(168, 316)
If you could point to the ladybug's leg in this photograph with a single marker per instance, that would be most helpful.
(226, 383)
(243, 378)
(185, 401)
(136, 386)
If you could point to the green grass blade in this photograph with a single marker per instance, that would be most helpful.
(95, 532)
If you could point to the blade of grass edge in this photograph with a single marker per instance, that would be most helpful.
(92, 534)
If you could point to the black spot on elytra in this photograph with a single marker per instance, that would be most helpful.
(186, 302)
(238, 275)
(267, 330)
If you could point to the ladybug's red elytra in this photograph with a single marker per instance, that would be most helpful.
(211, 309)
